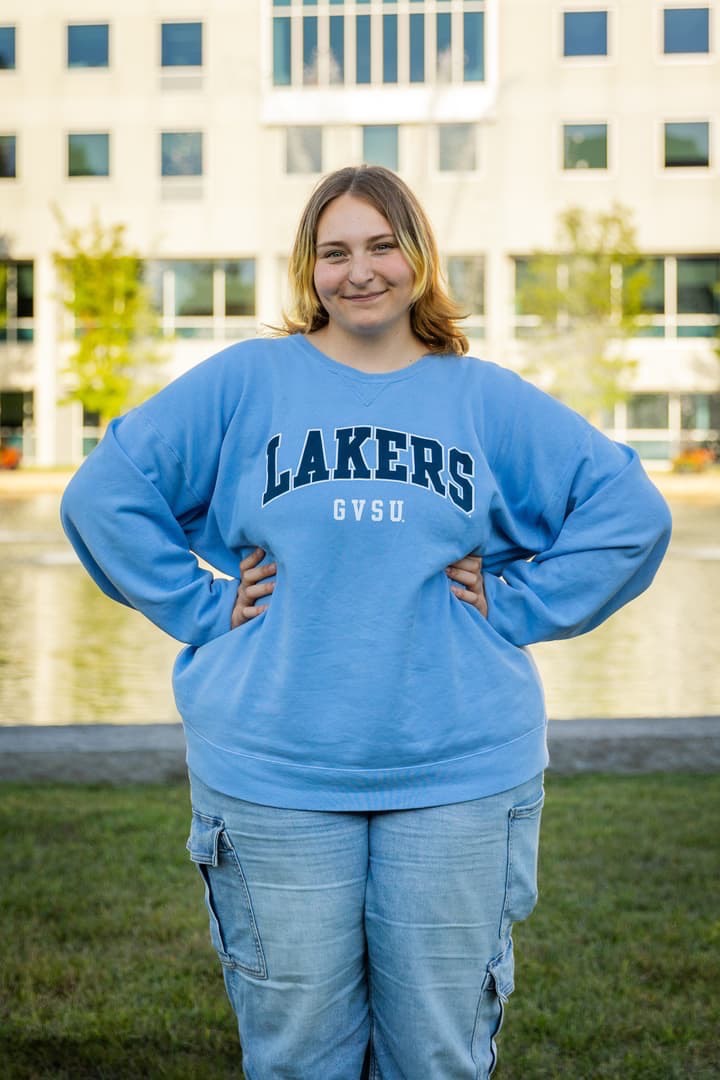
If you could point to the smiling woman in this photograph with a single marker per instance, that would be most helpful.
(364, 242)
(366, 729)
(365, 284)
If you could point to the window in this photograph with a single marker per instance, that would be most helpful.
(310, 50)
(303, 150)
(687, 145)
(473, 46)
(204, 298)
(649, 278)
(466, 282)
(686, 30)
(16, 301)
(380, 145)
(698, 295)
(281, 52)
(87, 45)
(700, 412)
(181, 44)
(585, 33)
(362, 49)
(585, 146)
(239, 287)
(380, 42)
(417, 48)
(7, 48)
(89, 154)
(337, 49)
(457, 148)
(648, 411)
(390, 48)
(8, 170)
(181, 153)
(681, 296)
(16, 412)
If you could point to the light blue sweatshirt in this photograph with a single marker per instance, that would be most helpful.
(367, 684)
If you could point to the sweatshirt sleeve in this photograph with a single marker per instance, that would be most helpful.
(123, 512)
(593, 526)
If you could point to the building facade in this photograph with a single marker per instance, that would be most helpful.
(203, 129)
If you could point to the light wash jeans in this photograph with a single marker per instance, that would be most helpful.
(369, 945)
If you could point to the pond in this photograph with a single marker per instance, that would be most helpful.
(69, 655)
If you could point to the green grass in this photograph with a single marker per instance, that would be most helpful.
(106, 969)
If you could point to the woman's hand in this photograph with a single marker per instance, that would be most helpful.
(468, 572)
(252, 586)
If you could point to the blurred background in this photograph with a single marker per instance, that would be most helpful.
(153, 163)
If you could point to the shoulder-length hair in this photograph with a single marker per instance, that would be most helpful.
(433, 315)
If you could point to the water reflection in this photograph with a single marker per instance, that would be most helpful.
(69, 655)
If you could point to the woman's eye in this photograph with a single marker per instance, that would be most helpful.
(386, 245)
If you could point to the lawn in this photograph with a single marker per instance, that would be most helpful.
(106, 969)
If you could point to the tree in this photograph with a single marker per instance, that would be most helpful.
(117, 331)
(585, 300)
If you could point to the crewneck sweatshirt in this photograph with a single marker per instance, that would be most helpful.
(367, 684)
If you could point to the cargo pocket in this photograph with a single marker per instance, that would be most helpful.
(522, 860)
(498, 985)
(233, 928)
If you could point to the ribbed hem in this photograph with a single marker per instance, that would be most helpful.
(272, 782)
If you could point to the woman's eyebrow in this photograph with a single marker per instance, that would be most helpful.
(342, 243)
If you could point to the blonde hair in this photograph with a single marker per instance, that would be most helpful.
(433, 315)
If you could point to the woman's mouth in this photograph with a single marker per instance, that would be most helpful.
(364, 298)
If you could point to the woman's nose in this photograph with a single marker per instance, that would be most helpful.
(361, 270)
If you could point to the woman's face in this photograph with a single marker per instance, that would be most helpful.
(361, 276)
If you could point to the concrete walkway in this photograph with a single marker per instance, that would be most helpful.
(144, 753)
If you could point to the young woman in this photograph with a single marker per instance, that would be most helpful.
(365, 728)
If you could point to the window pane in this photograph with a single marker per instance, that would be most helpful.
(181, 153)
(193, 288)
(653, 291)
(303, 150)
(337, 49)
(687, 144)
(362, 49)
(281, 52)
(652, 449)
(585, 33)
(466, 278)
(3, 300)
(523, 279)
(585, 146)
(698, 278)
(152, 276)
(700, 411)
(443, 46)
(686, 30)
(473, 46)
(7, 47)
(88, 155)
(380, 145)
(88, 45)
(240, 287)
(390, 49)
(7, 157)
(182, 44)
(648, 411)
(310, 50)
(25, 290)
(456, 146)
(417, 48)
